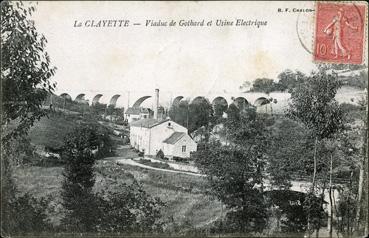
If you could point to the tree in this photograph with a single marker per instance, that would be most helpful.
(290, 205)
(313, 104)
(291, 153)
(121, 208)
(233, 115)
(199, 115)
(21, 214)
(180, 113)
(360, 207)
(127, 209)
(25, 70)
(219, 109)
(78, 198)
(263, 85)
(235, 171)
(288, 80)
(25, 74)
(235, 178)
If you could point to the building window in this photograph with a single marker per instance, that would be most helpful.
(183, 148)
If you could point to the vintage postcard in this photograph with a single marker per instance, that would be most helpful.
(184, 119)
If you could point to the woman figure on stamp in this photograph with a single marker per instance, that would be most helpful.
(335, 28)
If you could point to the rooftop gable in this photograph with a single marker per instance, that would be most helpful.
(173, 138)
(148, 122)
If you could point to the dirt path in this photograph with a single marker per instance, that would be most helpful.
(120, 160)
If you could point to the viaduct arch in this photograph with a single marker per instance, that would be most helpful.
(140, 101)
(114, 99)
(96, 99)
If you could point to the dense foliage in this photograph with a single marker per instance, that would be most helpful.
(25, 82)
(291, 153)
(288, 80)
(21, 213)
(25, 69)
(78, 199)
(235, 171)
(313, 103)
(236, 179)
(192, 115)
(129, 209)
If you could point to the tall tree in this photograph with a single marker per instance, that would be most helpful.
(235, 177)
(78, 198)
(122, 208)
(25, 82)
(291, 153)
(235, 172)
(361, 206)
(180, 113)
(25, 69)
(313, 104)
(200, 113)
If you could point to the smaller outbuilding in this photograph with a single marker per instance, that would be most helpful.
(179, 144)
(137, 113)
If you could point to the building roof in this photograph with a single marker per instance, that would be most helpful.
(173, 138)
(136, 110)
(148, 122)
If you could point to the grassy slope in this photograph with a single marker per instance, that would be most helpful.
(52, 130)
(186, 202)
(184, 195)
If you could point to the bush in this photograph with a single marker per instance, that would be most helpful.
(160, 154)
(24, 215)
(128, 210)
(20, 214)
(182, 160)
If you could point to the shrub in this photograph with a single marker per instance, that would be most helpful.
(20, 214)
(179, 159)
(160, 154)
(129, 209)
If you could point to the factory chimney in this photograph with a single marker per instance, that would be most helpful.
(156, 104)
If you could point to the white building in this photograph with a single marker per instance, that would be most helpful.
(137, 113)
(151, 135)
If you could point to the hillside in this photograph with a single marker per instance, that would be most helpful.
(50, 131)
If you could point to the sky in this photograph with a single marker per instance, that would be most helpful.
(174, 59)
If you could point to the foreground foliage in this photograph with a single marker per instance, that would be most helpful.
(25, 82)
(129, 209)
(25, 70)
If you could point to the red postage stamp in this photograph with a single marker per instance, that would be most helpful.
(339, 32)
